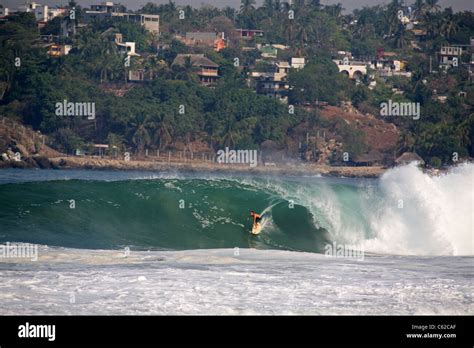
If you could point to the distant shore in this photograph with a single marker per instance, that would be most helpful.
(97, 163)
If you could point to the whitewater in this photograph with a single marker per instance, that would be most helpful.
(128, 249)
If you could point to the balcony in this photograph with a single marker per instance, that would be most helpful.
(209, 72)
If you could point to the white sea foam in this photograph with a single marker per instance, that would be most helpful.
(219, 282)
(424, 215)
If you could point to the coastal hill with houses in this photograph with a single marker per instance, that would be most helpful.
(298, 81)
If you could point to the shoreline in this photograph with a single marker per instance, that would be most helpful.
(93, 163)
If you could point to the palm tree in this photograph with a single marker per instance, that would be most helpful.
(153, 65)
(105, 69)
(277, 5)
(334, 10)
(213, 134)
(153, 39)
(208, 12)
(300, 4)
(229, 137)
(433, 25)
(7, 72)
(115, 142)
(167, 12)
(141, 138)
(449, 27)
(229, 12)
(391, 17)
(162, 135)
(420, 8)
(316, 4)
(186, 71)
(364, 26)
(4, 87)
(107, 62)
(303, 27)
(401, 38)
(101, 53)
(432, 6)
(285, 6)
(247, 6)
(405, 143)
(464, 132)
(171, 6)
(269, 6)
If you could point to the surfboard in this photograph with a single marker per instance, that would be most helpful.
(257, 228)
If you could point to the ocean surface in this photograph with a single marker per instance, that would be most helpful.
(177, 243)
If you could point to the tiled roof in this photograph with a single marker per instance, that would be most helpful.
(196, 60)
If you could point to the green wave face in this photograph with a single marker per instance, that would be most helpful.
(154, 214)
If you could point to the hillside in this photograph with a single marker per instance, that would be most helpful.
(149, 91)
(377, 134)
(22, 147)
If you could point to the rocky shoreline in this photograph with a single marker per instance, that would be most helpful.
(22, 147)
(96, 163)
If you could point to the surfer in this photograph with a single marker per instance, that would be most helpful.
(256, 218)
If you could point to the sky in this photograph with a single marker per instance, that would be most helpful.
(349, 5)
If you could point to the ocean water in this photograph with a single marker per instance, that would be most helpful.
(144, 243)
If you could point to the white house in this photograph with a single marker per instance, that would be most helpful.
(109, 9)
(55, 12)
(28, 7)
(450, 56)
(283, 67)
(4, 11)
(40, 11)
(352, 68)
(106, 6)
(275, 84)
(298, 63)
(128, 48)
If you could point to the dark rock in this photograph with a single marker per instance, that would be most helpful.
(43, 162)
(31, 162)
(19, 164)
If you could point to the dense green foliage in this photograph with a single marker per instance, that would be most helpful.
(231, 114)
(307, 86)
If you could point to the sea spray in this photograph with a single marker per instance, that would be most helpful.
(436, 217)
(406, 211)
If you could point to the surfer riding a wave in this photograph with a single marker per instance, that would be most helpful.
(257, 218)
